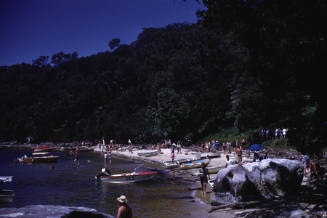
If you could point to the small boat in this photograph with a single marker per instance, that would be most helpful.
(194, 164)
(40, 153)
(128, 177)
(6, 178)
(42, 159)
(170, 164)
(148, 154)
(6, 196)
(43, 148)
(208, 155)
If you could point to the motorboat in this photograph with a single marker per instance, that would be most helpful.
(126, 177)
(148, 154)
(194, 164)
(43, 148)
(40, 153)
(38, 159)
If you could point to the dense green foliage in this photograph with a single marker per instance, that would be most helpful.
(245, 64)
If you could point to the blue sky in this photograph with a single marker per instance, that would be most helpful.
(34, 28)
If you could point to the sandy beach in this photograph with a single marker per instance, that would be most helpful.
(190, 177)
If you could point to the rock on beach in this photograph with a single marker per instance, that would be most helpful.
(267, 179)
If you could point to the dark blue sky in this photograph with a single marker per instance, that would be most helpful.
(33, 28)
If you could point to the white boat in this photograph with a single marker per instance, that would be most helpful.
(129, 177)
(6, 178)
(6, 196)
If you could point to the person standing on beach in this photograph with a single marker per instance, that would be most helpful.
(239, 154)
(124, 210)
(172, 155)
(204, 179)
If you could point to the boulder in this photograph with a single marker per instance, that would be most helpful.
(267, 179)
(40, 211)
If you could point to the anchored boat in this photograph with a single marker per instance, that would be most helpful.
(6, 196)
(126, 177)
(36, 159)
(43, 148)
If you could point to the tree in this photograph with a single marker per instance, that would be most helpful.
(114, 43)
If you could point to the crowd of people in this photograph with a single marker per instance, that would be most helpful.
(268, 133)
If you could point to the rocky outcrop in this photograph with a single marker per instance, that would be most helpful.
(40, 211)
(267, 179)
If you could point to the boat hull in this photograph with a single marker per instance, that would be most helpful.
(129, 177)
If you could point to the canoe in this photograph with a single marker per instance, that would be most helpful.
(148, 154)
(129, 177)
(208, 155)
(194, 164)
(6, 196)
(170, 164)
(42, 159)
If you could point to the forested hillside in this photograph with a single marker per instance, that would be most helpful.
(245, 64)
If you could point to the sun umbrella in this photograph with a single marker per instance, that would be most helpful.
(256, 147)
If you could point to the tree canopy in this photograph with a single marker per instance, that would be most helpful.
(244, 64)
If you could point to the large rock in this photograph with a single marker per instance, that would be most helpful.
(268, 178)
(40, 211)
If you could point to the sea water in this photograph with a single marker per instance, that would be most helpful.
(68, 185)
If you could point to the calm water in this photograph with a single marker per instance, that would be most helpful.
(70, 186)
